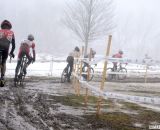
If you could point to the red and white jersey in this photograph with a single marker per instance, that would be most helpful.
(26, 45)
(118, 55)
(6, 34)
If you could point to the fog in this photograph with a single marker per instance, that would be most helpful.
(136, 33)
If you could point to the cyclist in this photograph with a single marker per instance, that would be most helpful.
(117, 55)
(24, 50)
(6, 37)
(70, 60)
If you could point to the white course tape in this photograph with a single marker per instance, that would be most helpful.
(137, 99)
(120, 60)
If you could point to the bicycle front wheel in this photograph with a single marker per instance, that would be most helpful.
(123, 74)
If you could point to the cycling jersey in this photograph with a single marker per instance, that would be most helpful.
(118, 55)
(6, 37)
(25, 47)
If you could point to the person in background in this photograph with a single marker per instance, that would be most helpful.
(93, 53)
(70, 60)
(117, 55)
(6, 37)
(24, 50)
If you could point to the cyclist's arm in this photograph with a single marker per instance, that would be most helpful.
(33, 51)
(13, 45)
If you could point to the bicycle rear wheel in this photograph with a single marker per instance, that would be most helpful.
(85, 73)
(20, 76)
(123, 75)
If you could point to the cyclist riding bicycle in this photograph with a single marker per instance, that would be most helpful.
(70, 60)
(6, 37)
(24, 50)
(118, 55)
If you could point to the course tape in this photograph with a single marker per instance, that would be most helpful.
(126, 97)
(148, 62)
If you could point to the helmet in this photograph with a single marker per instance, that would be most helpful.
(120, 52)
(77, 49)
(30, 37)
(6, 23)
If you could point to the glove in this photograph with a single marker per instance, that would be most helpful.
(12, 55)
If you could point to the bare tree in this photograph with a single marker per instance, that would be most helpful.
(89, 19)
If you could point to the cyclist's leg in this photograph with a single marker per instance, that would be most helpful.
(70, 64)
(4, 58)
(28, 63)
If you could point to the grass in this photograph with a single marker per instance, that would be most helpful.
(78, 101)
(113, 120)
(132, 106)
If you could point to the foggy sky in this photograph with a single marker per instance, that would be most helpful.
(137, 26)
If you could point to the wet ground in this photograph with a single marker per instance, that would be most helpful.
(46, 104)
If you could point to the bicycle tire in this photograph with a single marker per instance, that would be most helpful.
(20, 73)
(122, 76)
(85, 70)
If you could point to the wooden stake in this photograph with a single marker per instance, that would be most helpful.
(80, 69)
(104, 74)
(88, 76)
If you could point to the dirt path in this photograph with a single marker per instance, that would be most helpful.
(46, 104)
(39, 105)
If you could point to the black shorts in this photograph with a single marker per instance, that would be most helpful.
(4, 54)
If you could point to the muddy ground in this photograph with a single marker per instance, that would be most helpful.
(46, 104)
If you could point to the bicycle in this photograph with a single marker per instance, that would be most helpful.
(20, 73)
(121, 70)
(85, 67)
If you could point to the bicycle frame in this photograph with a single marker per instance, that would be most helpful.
(119, 66)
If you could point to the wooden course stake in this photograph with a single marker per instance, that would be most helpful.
(99, 102)
(80, 70)
(88, 76)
